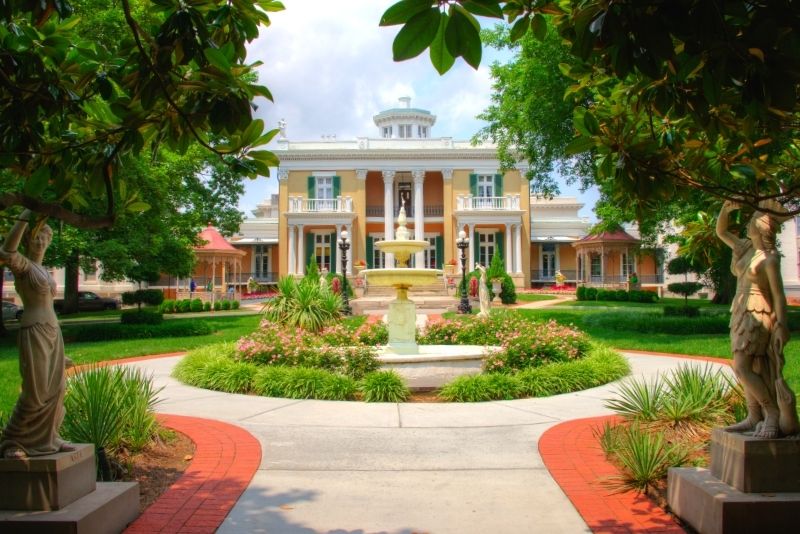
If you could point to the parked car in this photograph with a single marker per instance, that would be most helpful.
(11, 311)
(89, 301)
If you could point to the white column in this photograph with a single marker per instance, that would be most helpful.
(352, 250)
(388, 212)
(338, 267)
(419, 213)
(292, 250)
(509, 256)
(472, 244)
(518, 247)
(301, 251)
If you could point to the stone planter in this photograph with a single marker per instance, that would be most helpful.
(497, 286)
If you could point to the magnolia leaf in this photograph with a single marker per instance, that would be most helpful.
(578, 145)
(402, 11)
(462, 36)
(441, 58)
(416, 35)
(539, 26)
(138, 207)
(37, 182)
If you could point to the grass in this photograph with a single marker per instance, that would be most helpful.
(533, 297)
(226, 328)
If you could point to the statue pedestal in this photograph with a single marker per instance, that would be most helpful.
(402, 325)
(58, 493)
(753, 486)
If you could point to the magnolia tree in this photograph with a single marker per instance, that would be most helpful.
(75, 110)
(672, 97)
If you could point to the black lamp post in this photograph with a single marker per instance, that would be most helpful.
(344, 246)
(463, 243)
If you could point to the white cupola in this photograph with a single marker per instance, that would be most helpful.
(404, 122)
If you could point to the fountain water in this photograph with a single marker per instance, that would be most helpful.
(423, 366)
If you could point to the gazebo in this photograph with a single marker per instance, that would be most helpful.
(216, 253)
(607, 258)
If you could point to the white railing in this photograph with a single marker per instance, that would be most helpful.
(470, 203)
(320, 205)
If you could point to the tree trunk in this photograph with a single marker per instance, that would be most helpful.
(3, 330)
(71, 274)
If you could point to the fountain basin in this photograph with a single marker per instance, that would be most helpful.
(402, 248)
(401, 277)
(432, 366)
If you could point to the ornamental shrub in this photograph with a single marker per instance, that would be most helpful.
(109, 331)
(384, 386)
(234, 304)
(184, 306)
(217, 305)
(207, 306)
(591, 293)
(196, 305)
(226, 305)
(168, 306)
(580, 293)
(151, 297)
(681, 311)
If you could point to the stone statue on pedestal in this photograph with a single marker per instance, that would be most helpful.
(483, 292)
(759, 328)
(33, 427)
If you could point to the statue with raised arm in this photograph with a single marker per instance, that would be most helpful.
(483, 292)
(759, 328)
(33, 427)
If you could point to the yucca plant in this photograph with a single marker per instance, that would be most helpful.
(638, 399)
(384, 386)
(698, 394)
(303, 304)
(645, 456)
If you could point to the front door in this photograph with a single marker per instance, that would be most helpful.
(548, 261)
(404, 198)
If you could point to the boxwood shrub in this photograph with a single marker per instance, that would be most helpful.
(109, 331)
(141, 317)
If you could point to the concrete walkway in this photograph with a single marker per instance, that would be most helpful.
(349, 467)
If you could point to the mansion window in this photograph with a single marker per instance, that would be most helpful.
(387, 132)
(422, 131)
(430, 254)
(628, 265)
(261, 262)
(404, 131)
(325, 192)
(322, 251)
(595, 266)
(378, 261)
(486, 248)
(485, 190)
(548, 260)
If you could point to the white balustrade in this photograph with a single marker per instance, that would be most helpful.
(320, 205)
(471, 203)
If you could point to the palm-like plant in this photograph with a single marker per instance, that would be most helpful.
(303, 304)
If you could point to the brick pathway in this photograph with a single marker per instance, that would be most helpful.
(577, 463)
(225, 460)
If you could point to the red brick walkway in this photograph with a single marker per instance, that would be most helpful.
(575, 460)
(225, 460)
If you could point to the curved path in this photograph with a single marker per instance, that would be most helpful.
(348, 467)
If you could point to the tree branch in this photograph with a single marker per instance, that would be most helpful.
(56, 211)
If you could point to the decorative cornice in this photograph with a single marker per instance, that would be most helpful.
(374, 155)
(361, 174)
(447, 174)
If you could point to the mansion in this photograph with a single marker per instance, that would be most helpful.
(446, 186)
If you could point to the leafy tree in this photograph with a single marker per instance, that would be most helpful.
(679, 96)
(76, 111)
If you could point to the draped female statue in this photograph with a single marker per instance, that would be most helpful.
(33, 427)
(759, 327)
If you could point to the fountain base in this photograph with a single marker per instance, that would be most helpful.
(402, 325)
(432, 366)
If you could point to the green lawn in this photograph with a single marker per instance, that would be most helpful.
(228, 328)
(533, 297)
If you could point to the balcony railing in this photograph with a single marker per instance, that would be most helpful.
(427, 211)
(320, 205)
(471, 203)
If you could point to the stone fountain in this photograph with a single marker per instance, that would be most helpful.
(423, 366)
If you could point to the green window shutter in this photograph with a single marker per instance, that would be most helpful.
(439, 252)
(498, 185)
(312, 187)
(370, 247)
(337, 186)
(473, 185)
(310, 249)
(498, 245)
(334, 250)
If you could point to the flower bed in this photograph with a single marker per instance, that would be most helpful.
(551, 290)
(258, 295)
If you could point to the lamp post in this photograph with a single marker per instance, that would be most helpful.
(344, 246)
(463, 243)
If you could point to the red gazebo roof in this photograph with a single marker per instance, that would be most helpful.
(617, 236)
(214, 242)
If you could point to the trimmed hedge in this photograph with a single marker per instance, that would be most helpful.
(681, 311)
(151, 297)
(196, 305)
(110, 331)
(141, 317)
(654, 323)
(615, 295)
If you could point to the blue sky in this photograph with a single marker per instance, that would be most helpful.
(329, 67)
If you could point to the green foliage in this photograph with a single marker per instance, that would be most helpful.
(384, 386)
(111, 407)
(685, 311)
(168, 306)
(269, 381)
(687, 289)
(196, 305)
(226, 305)
(614, 295)
(110, 331)
(206, 306)
(654, 323)
(217, 305)
(141, 317)
(183, 306)
(303, 304)
(234, 305)
(680, 265)
(601, 366)
(151, 297)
